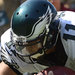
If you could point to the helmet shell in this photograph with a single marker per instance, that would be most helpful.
(25, 17)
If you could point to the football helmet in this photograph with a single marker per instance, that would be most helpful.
(34, 27)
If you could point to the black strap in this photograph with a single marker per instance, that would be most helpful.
(11, 66)
(16, 71)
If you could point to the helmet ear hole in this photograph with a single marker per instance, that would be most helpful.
(17, 13)
(26, 15)
(37, 11)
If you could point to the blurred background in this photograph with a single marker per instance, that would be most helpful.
(64, 5)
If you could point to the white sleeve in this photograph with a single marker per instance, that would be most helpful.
(68, 33)
(0, 52)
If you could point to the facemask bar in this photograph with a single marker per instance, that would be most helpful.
(26, 44)
(53, 34)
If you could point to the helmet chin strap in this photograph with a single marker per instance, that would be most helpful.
(37, 66)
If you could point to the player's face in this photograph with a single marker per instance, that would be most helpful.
(29, 47)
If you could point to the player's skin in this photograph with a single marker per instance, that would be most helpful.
(6, 70)
(56, 3)
(49, 73)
